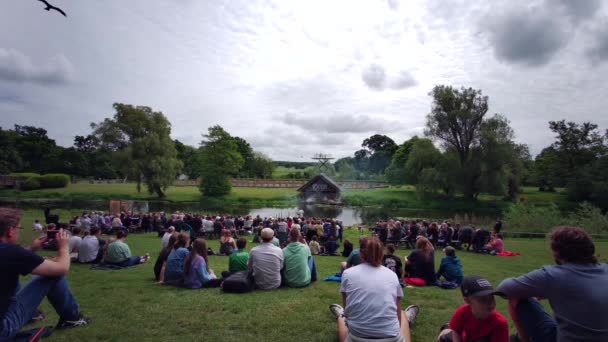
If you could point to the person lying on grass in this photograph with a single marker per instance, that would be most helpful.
(371, 301)
(19, 304)
(197, 273)
(119, 253)
(477, 320)
(577, 290)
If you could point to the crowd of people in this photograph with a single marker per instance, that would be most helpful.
(372, 277)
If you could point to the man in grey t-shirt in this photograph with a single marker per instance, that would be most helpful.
(266, 262)
(576, 289)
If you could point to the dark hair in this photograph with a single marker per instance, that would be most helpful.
(390, 248)
(182, 240)
(372, 252)
(347, 243)
(94, 230)
(499, 236)
(121, 234)
(164, 253)
(572, 244)
(76, 230)
(241, 243)
(450, 252)
(199, 247)
(9, 217)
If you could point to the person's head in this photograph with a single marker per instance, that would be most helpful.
(372, 252)
(226, 233)
(199, 248)
(183, 240)
(572, 245)
(241, 243)
(121, 234)
(348, 244)
(76, 231)
(479, 294)
(449, 251)
(172, 241)
(390, 249)
(9, 224)
(36, 221)
(314, 238)
(294, 234)
(424, 245)
(362, 242)
(95, 231)
(170, 230)
(267, 234)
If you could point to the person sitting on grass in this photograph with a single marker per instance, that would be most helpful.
(420, 264)
(159, 274)
(266, 262)
(315, 248)
(331, 246)
(477, 320)
(19, 304)
(348, 248)
(575, 288)
(196, 268)
(450, 268)
(296, 271)
(392, 262)
(119, 253)
(174, 266)
(354, 258)
(238, 260)
(227, 243)
(495, 246)
(165, 239)
(92, 247)
(371, 301)
(75, 241)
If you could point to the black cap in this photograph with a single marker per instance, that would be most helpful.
(476, 286)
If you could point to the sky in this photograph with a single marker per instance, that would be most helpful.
(295, 78)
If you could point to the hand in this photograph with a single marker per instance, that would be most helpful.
(37, 243)
(62, 239)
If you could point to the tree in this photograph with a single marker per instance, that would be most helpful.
(143, 147)
(10, 160)
(38, 152)
(261, 165)
(395, 173)
(381, 149)
(187, 155)
(220, 159)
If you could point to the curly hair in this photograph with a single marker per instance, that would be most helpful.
(572, 244)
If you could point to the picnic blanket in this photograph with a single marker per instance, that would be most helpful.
(336, 277)
(507, 253)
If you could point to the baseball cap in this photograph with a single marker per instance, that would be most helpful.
(476, 286)
(267, 233)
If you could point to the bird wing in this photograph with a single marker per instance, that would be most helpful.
(59, 10)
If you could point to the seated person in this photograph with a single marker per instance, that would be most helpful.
(227, 243)
(119, 253)
(478, 319)
(354, 258)
(238, 260)
(450, 268)
(167, 236)
(480, 239)
(392, 262)
(196, 268)
(159, 265)
(348, 248)
(575, 288)
(496, 245)
(331, 246)
(315, 248)
(421, 262)
(266, 262)
(91, 248)
(296, 271)
(465, 236)
(75, 241)
(174, 267)
(18, 304)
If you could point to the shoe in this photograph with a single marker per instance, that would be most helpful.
(412, 313)
(80, 322)
(37, 317)
(337, 310)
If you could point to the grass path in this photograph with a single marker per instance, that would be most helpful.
(127, 305)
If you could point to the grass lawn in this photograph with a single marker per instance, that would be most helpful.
(127, 305)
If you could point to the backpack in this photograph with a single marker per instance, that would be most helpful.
(239, 282)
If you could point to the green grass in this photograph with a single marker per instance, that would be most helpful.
(127, 305)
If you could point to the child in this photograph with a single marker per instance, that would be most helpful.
(450, 268)
(495, 246)
(37, 226)
(477, 320)
(391, 261)
(331, 246)
(348, 248)
(315, 248)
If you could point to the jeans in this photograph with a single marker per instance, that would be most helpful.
(313, 268)
(132, 261)
(536, 322)
(27, 300)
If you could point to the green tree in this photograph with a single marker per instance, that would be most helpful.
(143, 147)
(395, 173)
(261, 165)
(220, 159)
(381, 149)
(187, 155)
(10, 159)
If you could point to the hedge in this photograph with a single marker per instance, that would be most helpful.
(25, 174)
(35, 181)
(31, 183)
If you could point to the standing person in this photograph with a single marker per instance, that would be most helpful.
(119, 253)
(371, 301)
(575, 288)
(266, 262)
(197, 273)
(18, 304)
(477, 320)
(421, 262)
(91, 247)
(296, 270)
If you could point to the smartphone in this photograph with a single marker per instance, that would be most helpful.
(51, 234)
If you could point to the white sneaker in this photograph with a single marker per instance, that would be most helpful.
(337, 310)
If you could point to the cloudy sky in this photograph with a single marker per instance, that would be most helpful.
(299, 77)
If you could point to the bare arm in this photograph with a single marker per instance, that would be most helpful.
(60, 266)
(161, 276)
(399, 310)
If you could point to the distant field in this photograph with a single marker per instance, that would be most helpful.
(127, 305)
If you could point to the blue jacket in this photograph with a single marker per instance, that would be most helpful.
(450, 269)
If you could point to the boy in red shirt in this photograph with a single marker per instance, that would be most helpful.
(477, 320)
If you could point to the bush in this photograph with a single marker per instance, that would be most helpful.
(54, 180)
(32, 183)
(528, 218)
(25, 174)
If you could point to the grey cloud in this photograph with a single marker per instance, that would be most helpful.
(526, 37)
(598, 53)
(403, 80)
(340, 123)
(374, 76)
(579, 10)
(17, 67)
(393, 4)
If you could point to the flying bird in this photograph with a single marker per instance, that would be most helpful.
(51, 7)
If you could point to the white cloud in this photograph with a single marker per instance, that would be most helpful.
(17, 67)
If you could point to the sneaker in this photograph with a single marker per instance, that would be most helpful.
(80, 322)
(412, 313)
(337, 310)
(36, 317)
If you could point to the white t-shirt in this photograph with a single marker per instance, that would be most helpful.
(89, 247)
(75, 242)
(37, 226)
(207, 225)
(267, 260)
(371, 301)
(165, 240)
